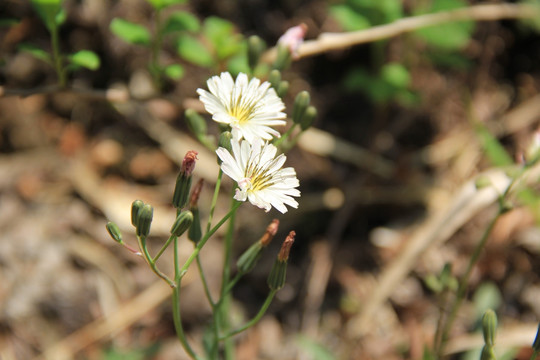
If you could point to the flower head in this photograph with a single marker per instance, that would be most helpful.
(248, 107)
(259, 175)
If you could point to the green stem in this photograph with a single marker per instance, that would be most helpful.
(214, 200)
(257, 317)
(57, 56)
(151, 263)
(176, 305)
(284, 137)
(163, 248)
(205, 283)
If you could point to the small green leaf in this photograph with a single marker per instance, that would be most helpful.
(182, 21)
(130, 32)
(238, 64)
(349, 19)
(36, 52)
(223, 37)
(85, 58)
(8, 22)
(194, 51)
(49, 10)
(174, 71)
(396, 75)
(161, 4)
(493, 149)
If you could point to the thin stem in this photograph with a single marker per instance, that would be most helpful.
(57, 56)
(285, 136)
(176, 305)
(205, 283)
(257, 317)
(151, 263)
(163, 248)
(214, 200)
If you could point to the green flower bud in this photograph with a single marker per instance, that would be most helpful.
(135, 207)
(144, 220)
(195, 231)
(488, 353)
(196, 123)
(256, 47)
(247, 261)
(282, 89)
(274, 78)
(182, 223)
(115, 232)
(489, 327)
(301, 102)
(309, 118)
(283, 58)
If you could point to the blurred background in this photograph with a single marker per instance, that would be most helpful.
(404, 126)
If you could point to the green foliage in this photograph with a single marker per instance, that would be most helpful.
(85, 58)
(174, 71)
(223, 36)
(161, 4)
(348, 18)
(193, 50)
(181, 21)
(50, 12)
(494, 150)
(360, 14)
(36, 52)
(451, 36)
(130, 32)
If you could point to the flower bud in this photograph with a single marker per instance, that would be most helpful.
(274, 78)
(489, 327)
(309, 118)
(247, 261)
(182, 223)
(183, 181)
(301, 102)
(255, 46)
(270, 232)
(488, 353)
(135, 207)
(115, 232)
(196, 123)
(282, 89)
(283, 58)
(195, 231)
(276, 278)
(144, 220)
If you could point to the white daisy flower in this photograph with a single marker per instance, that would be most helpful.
(248, 107)
(259, 175)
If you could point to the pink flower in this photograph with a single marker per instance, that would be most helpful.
(293, 38)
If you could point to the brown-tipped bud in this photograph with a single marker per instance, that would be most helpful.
(144, 220)
(195, 193)
(182, 223)
(301, 102)
(195, 231)
(286, 247)
(135, 207)
(270, 232)
(183, 181)
(278, 274)
(196, 123)
(247, 261)
(309, 118)
(115, 232)
(255, 47)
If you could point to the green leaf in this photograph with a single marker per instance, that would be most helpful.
(48, 11)
(36, 52)
(194, 51)
(130, 32)
(238, 64)
(396, 75)
(174, 71)
(451, 36)
(493, 149)
(349, 19)
(182, 21)
(161, 4)
(85, 58)
(314, 349)
(223, 37)
(9, 22)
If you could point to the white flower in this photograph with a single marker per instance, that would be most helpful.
(249, 107)
(259, 175)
